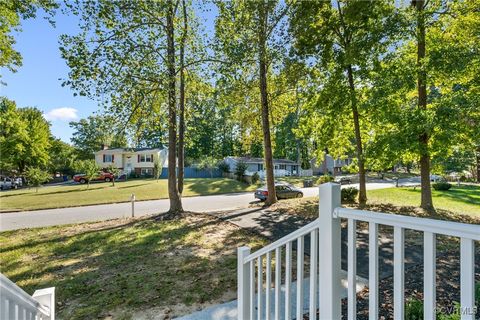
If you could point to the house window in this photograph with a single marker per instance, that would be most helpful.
(147, 172)
(283, 167)
(145, 158)
(260, 167)
(108, 158)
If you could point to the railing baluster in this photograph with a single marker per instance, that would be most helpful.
(313, 273)
(278, 281)
(398, 273)
(373, 271)
(252, 290)
(259, 287)
(352, 269)
(300, 266)
(467, 279)
(243, 282)
(268, 285)
(429, 281)
(288, 280)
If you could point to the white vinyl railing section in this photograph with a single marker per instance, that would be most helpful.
(260, 297)
(16, 304)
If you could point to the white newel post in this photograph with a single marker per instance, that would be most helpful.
(46, 298)
(243, 283)
(329, 252)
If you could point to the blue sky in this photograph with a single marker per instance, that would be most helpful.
(37, 84)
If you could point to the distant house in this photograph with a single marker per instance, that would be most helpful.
(282, 166)
(329, 165)
(138, 160)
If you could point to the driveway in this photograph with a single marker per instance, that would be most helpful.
(52, 217)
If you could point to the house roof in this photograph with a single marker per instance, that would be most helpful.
(260, 160)
(129, 149)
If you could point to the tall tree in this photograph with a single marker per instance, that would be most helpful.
(426, 198)
(11, 14)
(24, 137)
(181, 120)
(345, 39)
(252, 32)
(91, 133)
(127, 56)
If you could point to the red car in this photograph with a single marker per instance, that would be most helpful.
(102, 176)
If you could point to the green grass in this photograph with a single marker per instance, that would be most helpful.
(461, 200)
(296, 181)
(461, 204)
(98, 193)
(121, 267)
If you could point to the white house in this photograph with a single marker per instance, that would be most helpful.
(138, 160)
(282, 167)
(329, 165)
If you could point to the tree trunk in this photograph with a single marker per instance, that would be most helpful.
(478, 163)
(426, 197)
(362, 195)
(173, 195)
(267, 144)
(181, 125)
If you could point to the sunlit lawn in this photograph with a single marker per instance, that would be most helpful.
(457, 204)
(77, 195)
(297, 181)
(463, 200)
(121, 267)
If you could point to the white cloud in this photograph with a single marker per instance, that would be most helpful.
(62, 114)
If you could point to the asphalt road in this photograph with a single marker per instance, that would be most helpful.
(52, 217)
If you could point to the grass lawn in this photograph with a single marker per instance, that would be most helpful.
(460, 204)
(77, 195)
(128, 269)
(296, 181)
(462, 200)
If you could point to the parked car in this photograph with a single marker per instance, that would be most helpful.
(18, 181)
(7, 183)
(436, 178)
(345, 180)
(102, 176)
(283, 191)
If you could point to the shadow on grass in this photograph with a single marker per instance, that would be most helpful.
(134, 265)
(215, 186)
(464, 194)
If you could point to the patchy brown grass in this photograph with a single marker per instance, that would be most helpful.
(123, 268)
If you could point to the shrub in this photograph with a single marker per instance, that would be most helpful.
(255, 178)
(414, 309)
(441, 185)
(349, 194)
(240, 170)
(36, 176)
(223, 167)
(324, 179)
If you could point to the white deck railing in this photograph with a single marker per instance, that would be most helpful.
(16, 304)
(261, 298)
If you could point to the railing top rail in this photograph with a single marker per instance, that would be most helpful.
(11, 289)
(280, 242)
(449, 228)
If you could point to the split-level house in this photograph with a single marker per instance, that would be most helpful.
(138, 160)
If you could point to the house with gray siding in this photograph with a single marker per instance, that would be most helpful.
(287, 167)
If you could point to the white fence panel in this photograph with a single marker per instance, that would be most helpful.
(324, 238)
(17, 304)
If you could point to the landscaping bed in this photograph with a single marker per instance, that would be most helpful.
(128, 269)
